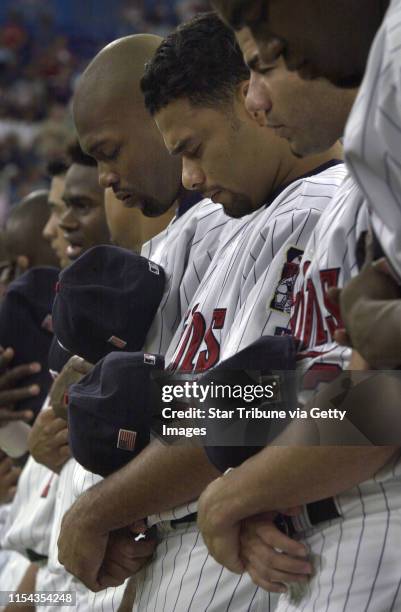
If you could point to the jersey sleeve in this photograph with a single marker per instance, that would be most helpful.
(372, 138)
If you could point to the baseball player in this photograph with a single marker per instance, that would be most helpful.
(329, 259)
(372, 154)
(143, 175)
(185, 248)
(225, 154)
(52, 232)
(84, 220)
(17, 565)
(111, 278)
(24, 317)
(25, 247)
(307, 34)
(27, 529)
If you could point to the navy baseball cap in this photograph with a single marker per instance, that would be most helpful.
(110, 410)
(26, 326)
(106, 300)
(273, 356)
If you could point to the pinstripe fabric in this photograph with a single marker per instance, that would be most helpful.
(357, 564)
(29, 518)
(373, 135)
(243, 278)
(184, 249)
(195, 581)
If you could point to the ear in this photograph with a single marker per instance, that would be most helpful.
(243, 90)
(23, 262)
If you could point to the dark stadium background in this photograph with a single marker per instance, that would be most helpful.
(44, 46)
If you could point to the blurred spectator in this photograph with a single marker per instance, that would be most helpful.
(44, 46)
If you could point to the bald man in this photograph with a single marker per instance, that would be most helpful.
(25, 245)
(134, 163)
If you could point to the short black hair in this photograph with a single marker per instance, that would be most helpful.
(77, 156)
(57, 167)
(200, 60)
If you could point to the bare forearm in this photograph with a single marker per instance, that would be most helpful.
(160, 478)
(284, 477)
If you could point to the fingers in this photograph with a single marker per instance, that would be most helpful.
(80, 365)
(6, 416)
(6, 357)
(382, 265)
(267, 585)
(120, 570)
(57, 428)
(12, 396)
(134, 550)
(270, 535)
(61, 438)
(275, 566)
(65, 454)
(11, 377)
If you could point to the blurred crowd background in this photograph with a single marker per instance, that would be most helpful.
(44, 46)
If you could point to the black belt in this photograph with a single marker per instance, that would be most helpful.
(35, 557)
(318, 512)
(189, 518)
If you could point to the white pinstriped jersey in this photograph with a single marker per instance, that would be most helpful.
(184, 250)
(29, 519)
(329, 261)
(73, 481)
(373, 133)
(246, 292)
(357, 556)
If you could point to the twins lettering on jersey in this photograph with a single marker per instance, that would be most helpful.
(307, 314)
(195, 333)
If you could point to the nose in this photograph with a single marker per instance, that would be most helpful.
(68, 221)
(50, 229)
(258, 97)
(107, 178)
(192, 175)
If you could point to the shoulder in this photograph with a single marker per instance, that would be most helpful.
(311, 192)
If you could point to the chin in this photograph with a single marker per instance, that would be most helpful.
(153, 208)
(238, 209)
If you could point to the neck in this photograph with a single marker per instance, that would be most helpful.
(301, 166)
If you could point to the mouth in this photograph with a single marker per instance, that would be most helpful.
(128, 200)
(74, 250)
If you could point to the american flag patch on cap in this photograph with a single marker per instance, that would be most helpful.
(47, 323)
(126, 439)
(154, 268)
(117, 342)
